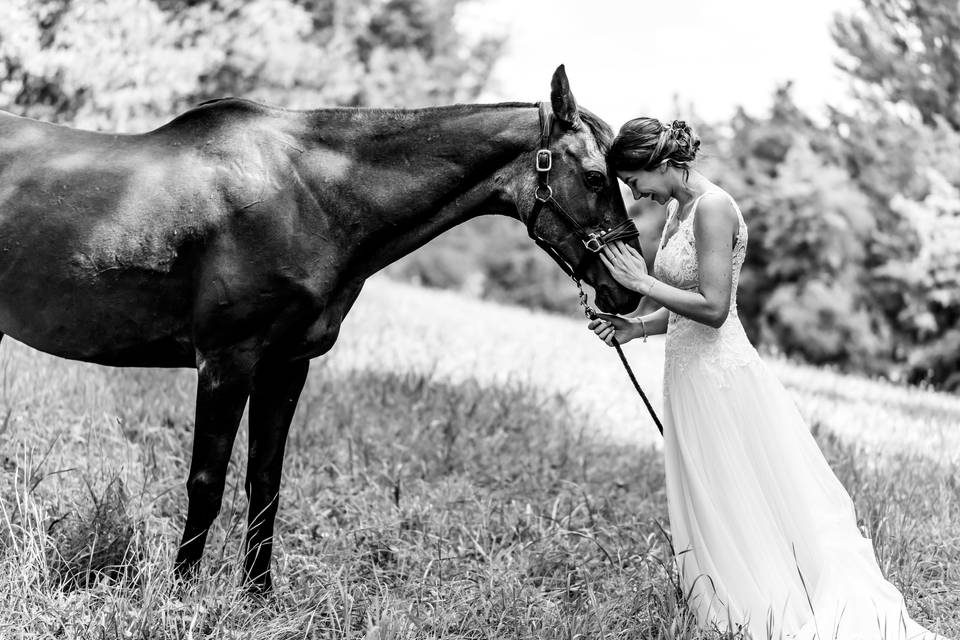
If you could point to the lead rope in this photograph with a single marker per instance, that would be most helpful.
(591, 314)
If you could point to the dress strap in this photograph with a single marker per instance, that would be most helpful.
(673, 207)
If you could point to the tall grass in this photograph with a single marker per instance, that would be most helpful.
(412, 507)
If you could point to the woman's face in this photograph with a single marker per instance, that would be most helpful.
(653, 184)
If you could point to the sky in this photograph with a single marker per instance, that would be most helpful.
(626, 58)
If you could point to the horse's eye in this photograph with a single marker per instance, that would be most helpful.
(595, 180)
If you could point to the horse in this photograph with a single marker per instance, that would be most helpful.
(235, 238)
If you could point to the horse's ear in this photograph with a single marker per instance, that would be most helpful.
(564, 104)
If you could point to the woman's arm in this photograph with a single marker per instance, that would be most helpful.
(653, 323)
(608, 327)
(715, 227)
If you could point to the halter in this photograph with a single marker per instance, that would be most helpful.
(595, 240)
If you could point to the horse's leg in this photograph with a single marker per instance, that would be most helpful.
(221, 395)
(273, 399)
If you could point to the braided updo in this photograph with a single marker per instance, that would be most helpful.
(646, 143)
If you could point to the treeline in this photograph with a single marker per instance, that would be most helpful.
(127, 65)
(854, 254)
(854, 219)
(854, 257)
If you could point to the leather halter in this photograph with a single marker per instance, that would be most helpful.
(594, 241)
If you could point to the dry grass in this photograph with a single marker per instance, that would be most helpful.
(413, 506)
(402, 328)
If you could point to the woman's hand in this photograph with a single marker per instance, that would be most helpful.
(626, 265)
(610, 327)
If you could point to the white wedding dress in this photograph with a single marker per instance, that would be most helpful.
(764, 534)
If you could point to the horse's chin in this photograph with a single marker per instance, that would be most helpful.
(622, 303)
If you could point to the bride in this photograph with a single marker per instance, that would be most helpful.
(764, 534)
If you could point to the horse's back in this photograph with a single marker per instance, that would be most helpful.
(110, 245)
(95, 231)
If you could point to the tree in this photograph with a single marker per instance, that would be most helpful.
(904, 55)
(900, 146)
(926, 284)
(129, 64)
(816, 231)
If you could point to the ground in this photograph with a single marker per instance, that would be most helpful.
(456, 469)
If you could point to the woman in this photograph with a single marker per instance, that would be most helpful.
(764, 534)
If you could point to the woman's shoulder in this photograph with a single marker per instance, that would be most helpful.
(716, 197)
(717, 212)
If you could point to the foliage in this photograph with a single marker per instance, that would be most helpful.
(129, 64)
(928, 284)
(899, 145)
(904, 56)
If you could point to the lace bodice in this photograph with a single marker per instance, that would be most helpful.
(689, 341)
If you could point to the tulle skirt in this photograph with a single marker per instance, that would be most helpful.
(764, 534)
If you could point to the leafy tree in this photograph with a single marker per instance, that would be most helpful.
(926, 284)
(816, 231)
(900, 146)
(904, 55)
(128, 64)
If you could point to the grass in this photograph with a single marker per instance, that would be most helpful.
(413, 506)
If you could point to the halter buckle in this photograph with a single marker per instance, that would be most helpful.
(543, 189)
(544, 159)
(593, 243)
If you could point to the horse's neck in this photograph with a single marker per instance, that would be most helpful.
(410, 175)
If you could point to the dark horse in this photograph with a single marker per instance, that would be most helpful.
(235, 238)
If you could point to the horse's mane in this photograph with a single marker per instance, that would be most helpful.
(601, 130)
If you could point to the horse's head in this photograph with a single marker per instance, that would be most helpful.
(577, 204)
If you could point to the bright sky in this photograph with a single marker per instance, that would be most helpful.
(626, 58)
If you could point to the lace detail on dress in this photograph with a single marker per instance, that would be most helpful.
(688, 341)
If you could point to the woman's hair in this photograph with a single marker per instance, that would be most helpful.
(646, 143)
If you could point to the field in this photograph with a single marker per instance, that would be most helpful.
(456, 470)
